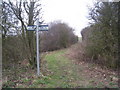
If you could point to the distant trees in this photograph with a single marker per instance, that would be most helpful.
(60, 35)
(102, 36)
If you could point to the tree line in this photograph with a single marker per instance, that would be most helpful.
(101, 37)
(19, 44)
(60, 35)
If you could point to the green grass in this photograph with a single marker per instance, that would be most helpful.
(56, 64)
(63, 71)
(80, 39)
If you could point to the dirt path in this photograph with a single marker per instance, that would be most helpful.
(59, 71)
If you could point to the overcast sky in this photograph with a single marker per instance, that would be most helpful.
(72, 12)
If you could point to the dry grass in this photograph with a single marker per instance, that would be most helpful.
(102, 74)
(77, 52)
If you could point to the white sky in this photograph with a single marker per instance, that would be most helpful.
(72, 12)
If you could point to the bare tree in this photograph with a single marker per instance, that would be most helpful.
(27, 13)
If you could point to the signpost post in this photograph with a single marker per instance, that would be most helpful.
(39, 28)
(37, 43)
